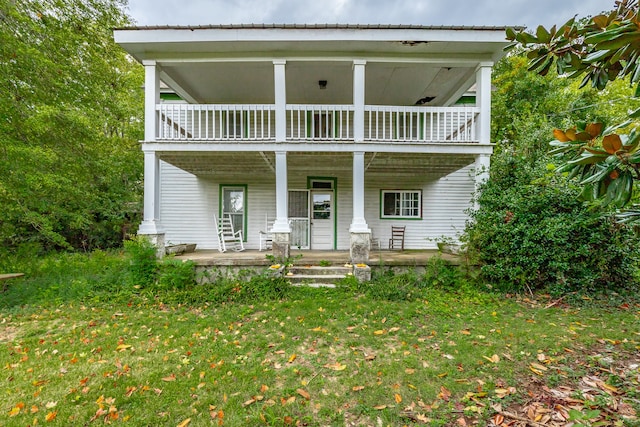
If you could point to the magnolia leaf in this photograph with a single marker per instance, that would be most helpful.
(561, 136)
(543, 34)
(594, 129)
(612, 143)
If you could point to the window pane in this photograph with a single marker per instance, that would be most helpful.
(389, 201)
(321, 206)
(233, 206)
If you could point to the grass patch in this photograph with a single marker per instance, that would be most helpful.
(262, 353)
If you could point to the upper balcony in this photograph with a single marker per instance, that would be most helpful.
(193, 123)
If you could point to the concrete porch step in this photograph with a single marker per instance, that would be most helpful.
(317, 276)
(320, 270)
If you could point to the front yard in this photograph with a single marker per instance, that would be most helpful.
(322, 358)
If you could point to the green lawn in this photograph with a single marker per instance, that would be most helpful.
(321, 358)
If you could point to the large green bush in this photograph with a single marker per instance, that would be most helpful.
(530, 232)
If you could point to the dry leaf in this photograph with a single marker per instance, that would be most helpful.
(171, 377)
(303, 393)
(380, 407)
(380, 332)
(51, 416)
(292, 358)
(358, 388)
(493, 359)
(185, 423)
(397, 398)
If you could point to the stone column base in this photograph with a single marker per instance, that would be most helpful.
(281, 246)
(156, 240)
(360, 247)
(362, 273)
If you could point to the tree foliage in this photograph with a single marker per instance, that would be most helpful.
(530, 231)
(70, 101)
(599, 50)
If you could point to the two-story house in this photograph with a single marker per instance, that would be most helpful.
(329, 134)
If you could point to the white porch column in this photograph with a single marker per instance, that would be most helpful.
(483, 101)
(358, 99)
(151, 99)
(281, 244)
(280, 99)
(150, 225)
(360, 234)
(358, 222)
(281, 223)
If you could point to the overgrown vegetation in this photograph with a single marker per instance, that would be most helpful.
(531, 232)
(70, 102)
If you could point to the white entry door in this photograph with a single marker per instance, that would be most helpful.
(322, 219)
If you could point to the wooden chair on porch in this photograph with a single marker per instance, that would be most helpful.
(228, 238)
(397, 237)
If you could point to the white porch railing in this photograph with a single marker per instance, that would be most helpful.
(216, 122)
(420, 124)
(320, 122)
(200, 122)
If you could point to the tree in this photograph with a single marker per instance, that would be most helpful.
(601, 49)
(529, 231)
(69, 104)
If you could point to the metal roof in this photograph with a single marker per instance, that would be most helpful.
(320, 26)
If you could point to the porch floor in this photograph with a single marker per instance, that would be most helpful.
(406, 258)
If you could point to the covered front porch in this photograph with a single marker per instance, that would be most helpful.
(378, 258)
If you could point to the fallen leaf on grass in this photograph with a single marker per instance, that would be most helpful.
(397, 398)
(170, 378)
(444, 393)
(122, 347)
(303, 393)
(358, 388)
(493, 359)
(336, 366)
(380, 332)
(51, 416)
(185, 423)
(380, 407)
(292, 358)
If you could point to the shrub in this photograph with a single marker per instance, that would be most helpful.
(176, 274)
(143, 264)
(530, 232)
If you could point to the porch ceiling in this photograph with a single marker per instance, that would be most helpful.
(233, 64)
(261, 165)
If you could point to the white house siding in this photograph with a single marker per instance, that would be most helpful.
(444, 202)
(189, 203)
(186, 207)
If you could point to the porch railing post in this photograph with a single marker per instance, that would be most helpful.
(151, 99)
(280, 99)
(358, 100)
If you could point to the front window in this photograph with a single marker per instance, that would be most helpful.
(401, 204)
(233, 204)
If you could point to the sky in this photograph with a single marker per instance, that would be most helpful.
(529, 13)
